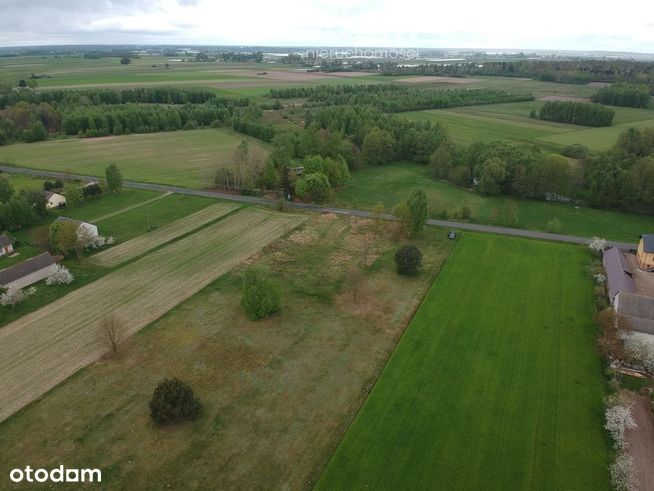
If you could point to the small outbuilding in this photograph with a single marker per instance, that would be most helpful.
(645, 254)
(28, 272)
(85, 228)
(54, 200)
(6, 245)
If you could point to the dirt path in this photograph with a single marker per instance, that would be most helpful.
(130, 208)
(642, 440)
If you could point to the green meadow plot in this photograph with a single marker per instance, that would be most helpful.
(495, 384)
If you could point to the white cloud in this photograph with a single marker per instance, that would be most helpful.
(408, 23)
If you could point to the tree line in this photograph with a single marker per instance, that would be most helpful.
(146, 95)
(579, 71)
(581, 113)
(623, 94)
(622, 178)
(393, 98)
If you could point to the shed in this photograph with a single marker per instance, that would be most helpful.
(6, 245)
(54, 200)
(645, 254)
(618, 273)
(28, 272)
(82, 227)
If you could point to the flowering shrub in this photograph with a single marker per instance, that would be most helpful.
(599, 278)
(623, 473)
(597, 245)
(640, 348)
(618, 419)
(14, 296)
(61, 276)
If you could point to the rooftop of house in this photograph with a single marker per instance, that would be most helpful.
(5, 240)
(618, 272)
(648, 242)
(28, 266)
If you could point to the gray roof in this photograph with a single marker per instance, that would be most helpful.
(638, 310)
(648, 242)
(5, 241)
(17, 271)
(68, 219)
(617, 273)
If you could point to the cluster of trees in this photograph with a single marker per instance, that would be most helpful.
(579, 71)
(320, 176)
(129, 118)
(256, 57)
(622, 178)
(393, 98)
(582, 113)
(96, 97)
(381, 137)
(623, 94)
(411, 214)
(21, 209)
(28, 122)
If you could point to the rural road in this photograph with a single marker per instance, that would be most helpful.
(318, 208)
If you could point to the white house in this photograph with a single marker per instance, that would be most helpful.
(28, 272)
(83, 228)
(6, 245)
(54, 200)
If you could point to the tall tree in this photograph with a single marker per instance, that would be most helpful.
(114, 178)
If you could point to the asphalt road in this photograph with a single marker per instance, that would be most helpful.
(319, 208)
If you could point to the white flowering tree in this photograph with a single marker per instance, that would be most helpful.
(640, 349)
(623, 473)
(61, 276)
(618, 420)
(597, 245)
(14, 296)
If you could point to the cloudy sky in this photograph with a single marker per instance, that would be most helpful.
(557, 24)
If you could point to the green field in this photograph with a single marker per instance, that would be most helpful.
(181, 158)
(393, 182)
(495, 384)
(512, 122)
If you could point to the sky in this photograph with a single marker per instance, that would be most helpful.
(504, 24)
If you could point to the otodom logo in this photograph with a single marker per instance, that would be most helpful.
(58, 474)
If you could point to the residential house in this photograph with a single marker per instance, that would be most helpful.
(86, 228)
(54, 200)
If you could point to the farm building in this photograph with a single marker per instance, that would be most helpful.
(82, 227)
(54, 200)
(630, 289)
(6, 245)
(645, 252)
(28, 272)
(619, 275)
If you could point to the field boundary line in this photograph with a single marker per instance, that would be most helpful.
(130, 208)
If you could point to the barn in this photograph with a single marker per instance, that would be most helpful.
(28, 272)
(645, 254)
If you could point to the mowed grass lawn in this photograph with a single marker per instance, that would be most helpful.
(183, 158)
(512, 122)
(496, 383)
(393, 182)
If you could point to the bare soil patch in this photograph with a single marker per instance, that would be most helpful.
(422, 79)
(641, 440)
(564, 98)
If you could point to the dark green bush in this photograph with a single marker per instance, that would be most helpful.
(173, 401)
(408, 260)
